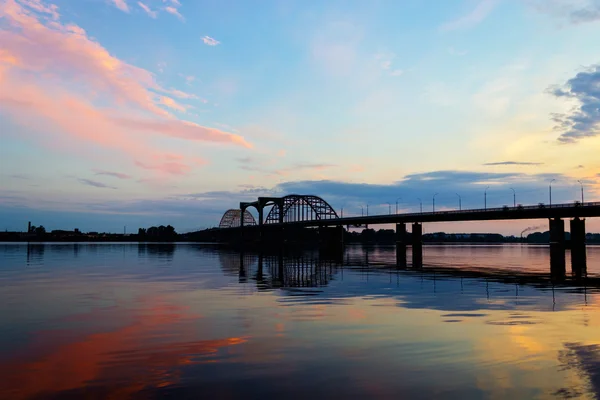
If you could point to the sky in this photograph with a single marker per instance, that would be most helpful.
(131, 113)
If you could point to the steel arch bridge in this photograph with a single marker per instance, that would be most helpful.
(232, 219)
(300, 208)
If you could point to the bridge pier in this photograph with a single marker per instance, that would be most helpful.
(417, 245)
(401, 245)
(578, 250)
(557, 248)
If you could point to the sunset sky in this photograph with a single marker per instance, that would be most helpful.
(137, 113)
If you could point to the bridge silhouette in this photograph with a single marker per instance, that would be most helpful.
(299, 218)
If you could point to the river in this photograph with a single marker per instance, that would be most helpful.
(128, 320)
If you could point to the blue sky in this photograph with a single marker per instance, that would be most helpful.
(122, 112)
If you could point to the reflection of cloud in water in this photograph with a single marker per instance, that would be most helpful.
(148, 352)
(586, 360)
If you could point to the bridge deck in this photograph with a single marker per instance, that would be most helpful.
(584, 210)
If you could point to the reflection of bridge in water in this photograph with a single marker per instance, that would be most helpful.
(313, 269)
(296, 270)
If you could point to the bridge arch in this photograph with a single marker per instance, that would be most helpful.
(233, 218)
(301, 208)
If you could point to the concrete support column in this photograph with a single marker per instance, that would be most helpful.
(401, 245)
(557, 248)
(578, 251)
(417, 245)
(260, 224)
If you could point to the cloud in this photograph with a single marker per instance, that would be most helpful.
(513, 163)
(584, 120)
(473, 18)
(151, 14)
(171, 103)
(64, 85)
(175, 12)
(97, 184)
(19, 176)
(530, 189)
(171, 167)
(385, 61)
(575, 11)
(210, 41)
(251, 164)
(113, 174)
(121, 5)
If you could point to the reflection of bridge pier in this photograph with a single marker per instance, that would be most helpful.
(416, 242)
(578, 251)
(558, 246)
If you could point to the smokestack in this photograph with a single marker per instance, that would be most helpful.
(29, 227)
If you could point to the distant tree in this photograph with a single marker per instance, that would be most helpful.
(40, 230)
(142, 232)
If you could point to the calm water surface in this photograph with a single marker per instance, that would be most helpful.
(194, 321)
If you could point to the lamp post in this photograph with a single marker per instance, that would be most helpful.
(342, 213)
(581, 191)
(362, 211)
(399, 198)
(420, 205)
(390, 208)
(485, 198)
(514, 197)
(367, 210)
(459, 202)
(550, 191)
(434, 201)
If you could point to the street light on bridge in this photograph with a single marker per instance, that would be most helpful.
(581, 191)
(420, 205)
(514, 197)
(434, 201)
(389, 208)
(399, 198)
(459, 202)
(367, 210)
(362, 211)
(485, 198)
(550, 191)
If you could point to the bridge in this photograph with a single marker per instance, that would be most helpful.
(289, 218)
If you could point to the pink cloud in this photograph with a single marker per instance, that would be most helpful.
(173, 10)
(151, 14)
(121, 5)
(170, 167)
(169, 102)
(42, 61)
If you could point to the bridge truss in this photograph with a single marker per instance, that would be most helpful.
(301, 208)
(232, 219)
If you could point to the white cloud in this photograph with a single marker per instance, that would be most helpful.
(473, 18)
(210, 41)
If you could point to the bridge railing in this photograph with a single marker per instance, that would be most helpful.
(496, 209)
